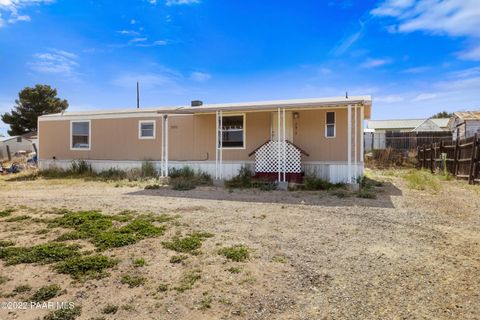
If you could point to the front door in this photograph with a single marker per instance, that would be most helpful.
(288, 125)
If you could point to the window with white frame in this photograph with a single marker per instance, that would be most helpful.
(80, 135)
(146, 129)
(330, 125)
(233, 131)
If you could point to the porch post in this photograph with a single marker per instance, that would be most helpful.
(162, 172)
(166, 145)
(216, 144)
(362, 119)
(278, 144)
(284, 145)
(356, 145)
(349, 143)
(221, 144)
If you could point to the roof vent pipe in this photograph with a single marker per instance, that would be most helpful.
(196, 103)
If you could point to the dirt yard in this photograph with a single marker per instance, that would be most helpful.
(408, 254)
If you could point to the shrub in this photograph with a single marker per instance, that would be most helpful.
(64, 314)
(6, 243)
(236, 253)
(82, 268)
(133, 281)
(178, 259)
(162, 287)
(81, 167)
(46, 293)
(43, 253)
(152, 187)
(17, 218)
(113, 174)
(421, 180)
(190, 243)
(367, 194)
(110, 309)
(6, 212)
(242, 180)
(185, 172)
(22, 288)
(314, 183)
(139, 262)
(182, 184)
(188, 280)
(148, 170)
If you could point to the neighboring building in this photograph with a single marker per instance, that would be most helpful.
(280, 138)
(15, 144)
(465, 124)
(32, 136)
(408, 125)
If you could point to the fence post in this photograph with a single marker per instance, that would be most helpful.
(418, 157)
(8, 153)
(424, 166)
(432, 157)
(471, 174)
(456, 155)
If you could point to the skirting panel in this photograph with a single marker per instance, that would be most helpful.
(332, 171)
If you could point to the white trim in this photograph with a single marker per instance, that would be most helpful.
(243, 114)
(356, 145)
(102, 116)
(166, 145)
(334, 125)
(221, 144)
(278, 143)
(89, 135)
(362, 120)
(216, 144)
(140, 122)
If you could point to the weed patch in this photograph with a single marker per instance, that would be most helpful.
(6, 243)
(366, 194)
(46, 293)
(110, 309)
(421, 180)
(22, 288)
(163, 287)
(17, 218)
(83, 268)
(234, 270)
(242, 180)
(139, 262)
(133, 281)
(44, 253)
(178, 259)
(187, 244)
(188, 280)
(6, 212)
(236, 253)
(64, 314)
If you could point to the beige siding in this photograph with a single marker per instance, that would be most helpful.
(192, 138)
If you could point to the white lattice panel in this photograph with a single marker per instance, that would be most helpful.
(267, 158)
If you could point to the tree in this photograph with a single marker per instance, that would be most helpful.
(32, 103)
(442, 114)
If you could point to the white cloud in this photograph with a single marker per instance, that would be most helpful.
(150, 44)
(450, 17)
(470, 54)
(11, 9)
(389, 99)
(180, 2)
(374, 63)
(154, 2)
(55, 62)
(200, 76)
(425, 96)
(142, 39)
(128, 32)
(416, 70)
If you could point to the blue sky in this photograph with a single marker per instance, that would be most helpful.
(414, 57)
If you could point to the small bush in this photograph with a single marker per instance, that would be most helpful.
(367, 194)
(17, 218)
(314, 183)
(152, 187)
(340, 193)
(236, 253)
(139, 262)
(188, 280)
(242, 180)
(234, 270)
(185, 172)
(46, 293)
(148, 170)
(133, 281)
(178, 259)
(81, 167)
(113, 174)
(6, 243)
(110, 309)
(43, 253)
(6, 212)
(162, 287)
(22, 288)
(189, 244)
(64, 314)
(182, 184)
(90, 267)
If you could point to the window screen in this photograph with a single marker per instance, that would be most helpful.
(233, 131)
(330, 125)
(147, 130)
(81, 135)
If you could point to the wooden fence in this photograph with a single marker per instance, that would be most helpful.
(461, 158)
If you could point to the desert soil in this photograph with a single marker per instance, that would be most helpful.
(406, 255)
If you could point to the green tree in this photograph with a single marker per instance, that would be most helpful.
(442, 114)
(32, 103)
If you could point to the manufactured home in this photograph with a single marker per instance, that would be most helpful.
(282, 140)
(14, 145)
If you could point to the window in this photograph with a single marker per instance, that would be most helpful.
(146, 129)
(233, 131)
(19, 139)
(330, 125)
(80, 134)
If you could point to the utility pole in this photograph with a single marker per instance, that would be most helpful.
(138, 97)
